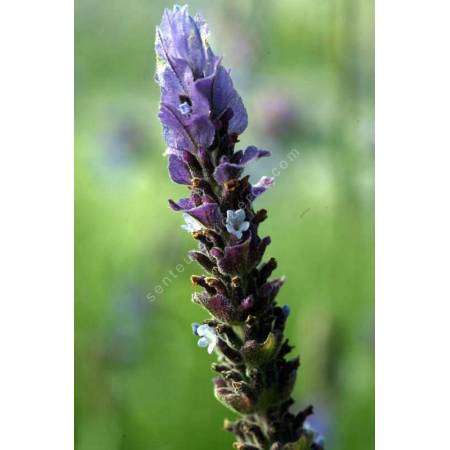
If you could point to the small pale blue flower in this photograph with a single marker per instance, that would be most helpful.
(191, 224)
(194, 328)
(208, 337)
(236, 223)
(185, 108)
(318, 439)
(203, 342)
(286, 310)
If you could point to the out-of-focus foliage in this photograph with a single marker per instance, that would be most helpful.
(305, 71)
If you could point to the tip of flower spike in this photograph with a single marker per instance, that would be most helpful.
(176, 8)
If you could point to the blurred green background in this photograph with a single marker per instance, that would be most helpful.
(305, 71)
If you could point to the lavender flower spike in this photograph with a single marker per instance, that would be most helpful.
(202, 116)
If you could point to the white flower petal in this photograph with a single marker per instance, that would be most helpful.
(211, 346)
(239, 215)
(202, 330)
(208, 337)
(244, 226)
(191, 224)
(236, 223)
(203, 342)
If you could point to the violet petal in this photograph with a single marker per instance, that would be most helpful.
(218, 88)
(227, 170)
(208, 214)
(260, 187)
(234, 260)
(178, 170)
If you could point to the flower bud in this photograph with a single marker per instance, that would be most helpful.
(302, 416)
(217, 304)
(260, 216)
(214, 237)
(200, 236)
(266, 270)
(200, 281)
(202, 259)
(239, 403)
(257, 354)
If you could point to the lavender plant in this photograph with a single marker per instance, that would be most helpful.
(202, 117)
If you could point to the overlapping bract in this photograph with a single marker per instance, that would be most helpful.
(198, 107)
(189, 73)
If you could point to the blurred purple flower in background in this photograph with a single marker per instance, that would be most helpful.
(281, 115)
